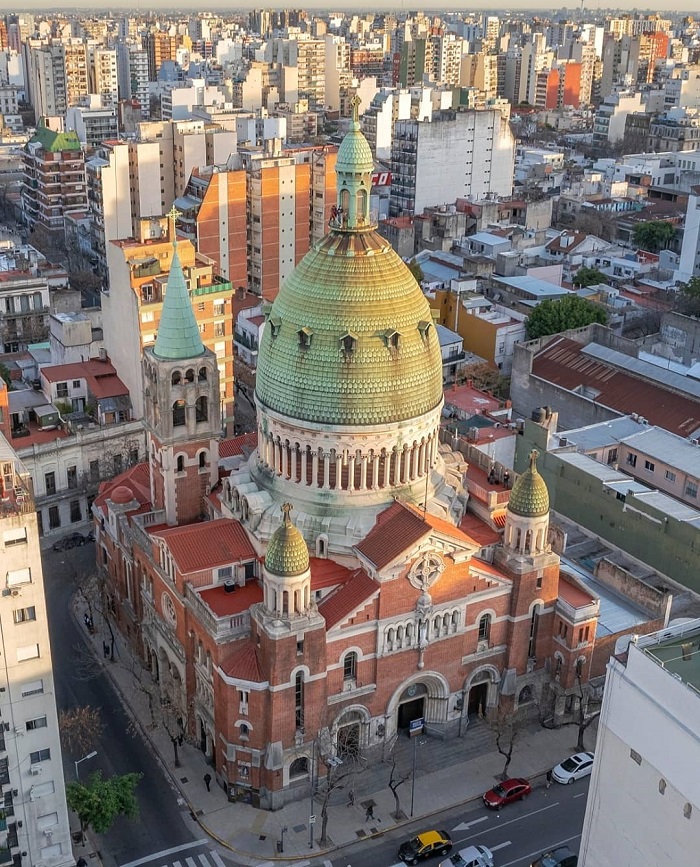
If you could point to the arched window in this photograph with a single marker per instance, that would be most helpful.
(525, 695)
(202, 460)
(344, 199)
(532, 643)
(176, 378)
(299, 768)
(189, 376)
(399, 637)
(362, 204)
(179, 413)
(485, 627)
(557, 668)
(350, 666)
(455, 621)
(244, 731)
(180, 464)
(202, 409)
(202, 374)
(299, 700)
(390, 639)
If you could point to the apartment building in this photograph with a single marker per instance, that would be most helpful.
(644, 771)
(45, 78)
(479, 146)
(104, 79)
(53, 177)
(34, 828)
(132, 75)
(75, 58)
(138, 274)
(159, 47)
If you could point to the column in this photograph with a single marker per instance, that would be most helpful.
(387, 467)
(351, 472)
(285, 459)
(304, 467)
(394, 461)
(375, 470)
(326, 471)
(403, 465)
(338, 471)
(295, 454)
(363, 473)
(314, 468)
(414, 461)
(278, 460)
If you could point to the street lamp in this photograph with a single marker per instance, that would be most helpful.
(84, 759)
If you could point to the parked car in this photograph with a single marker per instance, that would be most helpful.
(562, 856)
(72, 540)
(574, 768)
(472, 856)
(425, 845)
(515, 789)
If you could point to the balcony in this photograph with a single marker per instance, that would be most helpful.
(225, 628)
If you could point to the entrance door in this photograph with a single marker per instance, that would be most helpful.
(477, 699)
(349, 740)
(202, 737)
(410, 710)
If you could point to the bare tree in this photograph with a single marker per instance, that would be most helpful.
(80, 729)
(397, 777)
(507, 727)
(582, 718)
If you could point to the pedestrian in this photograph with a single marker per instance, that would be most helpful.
(369, 814)
(351, 798)
(207, 781)
(506, 479)
(549, 778)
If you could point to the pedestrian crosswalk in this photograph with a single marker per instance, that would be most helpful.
(195, 854)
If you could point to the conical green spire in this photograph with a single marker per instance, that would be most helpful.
(178, 332)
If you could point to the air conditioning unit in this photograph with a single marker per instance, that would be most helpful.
(35, 770)
(48, 833)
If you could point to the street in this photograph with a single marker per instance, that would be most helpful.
(162, 823)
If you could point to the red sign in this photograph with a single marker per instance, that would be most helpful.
(381, 179)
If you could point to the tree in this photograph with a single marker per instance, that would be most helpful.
(415, 269)
(506, 729)
(5, 374)
(688, 297)
(397, 777)
(100, 801)
(553, 317)
(80, 729)
(588, 277)
(486, 378)
(653, 235)
(582, 719)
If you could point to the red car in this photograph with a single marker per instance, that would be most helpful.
(506, 792)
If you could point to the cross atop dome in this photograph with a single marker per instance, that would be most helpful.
(355, 104)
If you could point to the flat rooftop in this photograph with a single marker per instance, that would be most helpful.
(676, 649)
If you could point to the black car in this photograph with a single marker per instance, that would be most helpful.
(73, 540)
(562, 856)
(425, 845)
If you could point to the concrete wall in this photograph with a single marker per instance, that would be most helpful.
(629, 586)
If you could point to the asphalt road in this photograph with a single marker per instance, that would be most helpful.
(162, 824)
(516, 835)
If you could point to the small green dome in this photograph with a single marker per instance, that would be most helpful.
(354, 153)
(529, 497)
(287, 553)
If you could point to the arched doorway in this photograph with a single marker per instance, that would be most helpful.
(202, 736)
(476, 703)
(349, 735)
(481, 690)
(411, 705)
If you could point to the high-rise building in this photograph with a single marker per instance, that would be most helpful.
(478, 144)
(45, 78)
(159, 47)
(35, 815)
(103, 74)
(132, 74)
(647, 750)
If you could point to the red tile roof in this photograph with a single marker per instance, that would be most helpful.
(78, 370)
(573, 594)
(224, 604)
(231, 448)
(471, 400)
(137, 478)
(396, 529)
(244, 664)
(348, 599)
(562, 362)
(197, 547)
(328, 573)
(478, 530)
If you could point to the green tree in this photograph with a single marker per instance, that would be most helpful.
(415, 269)
(5, 374)
(688, 299)
(553, 317)
(653, 235)
(99, 802)
(588, 277)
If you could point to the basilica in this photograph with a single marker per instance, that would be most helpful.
(319, 592)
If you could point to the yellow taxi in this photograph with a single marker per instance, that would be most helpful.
(425, 845)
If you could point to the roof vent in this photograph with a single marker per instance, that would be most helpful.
(229, 585)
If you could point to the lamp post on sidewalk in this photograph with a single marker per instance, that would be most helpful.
(84, 759)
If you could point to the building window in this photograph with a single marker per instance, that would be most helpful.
(76, 383)
(24, 615)
(243, 698)
(649, 466)
(38, 723)
(202, 409)
(40, 756)
(27, 651)
(305, 335)
(202, 460)
(50, 483)
(350, 667)
(532, 643)
(244, 731)
(94, 471)
(179, 413)
(670, 477)
(54, 518)
(485, 627)
(61, 389)
(219, 329)
(180, 466)
(300, 647)
(34, 687)
(299, 700)
(72, 478)
(662, 787)
(175, 377)
(202, 375)
(691, 489)
(632, 460)
(16, 536)
(299, 768)
(612, 456)
(76, 513)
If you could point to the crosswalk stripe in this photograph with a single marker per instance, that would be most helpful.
(191, 862)
(156, 855)
(204, 860)
(216, 858)
(176, 864)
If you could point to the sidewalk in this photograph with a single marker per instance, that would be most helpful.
(448, 773)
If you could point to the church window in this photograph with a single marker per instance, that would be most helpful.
(350, 666)
(189, 376)
(299, 768)
(525, 695)
(176, 378)
(390, 639)
(455, 621)
(299, 700)
(179, 413)
(275, 325)
(180, 464)
(202, 460)
(202, 409)
(202, 374)
(361, 203)
(532, 643)
(557, 669)
(305, 335)
(424, 329)
(348, 343)
(244, 730)
(392, 338)
(399, 637)
(485, 627)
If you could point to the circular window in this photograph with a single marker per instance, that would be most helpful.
(168, 609)
(426, 571)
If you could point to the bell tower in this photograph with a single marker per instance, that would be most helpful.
(183, 414)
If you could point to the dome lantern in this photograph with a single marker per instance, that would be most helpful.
(354, 167)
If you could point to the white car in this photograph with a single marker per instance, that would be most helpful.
(574, 768)
(472, 856)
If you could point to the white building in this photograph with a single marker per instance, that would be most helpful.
(478, 146)
(689, 265)
(609, 121)
(644, 798)
(31, 770)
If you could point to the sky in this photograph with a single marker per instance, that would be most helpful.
(517, 6)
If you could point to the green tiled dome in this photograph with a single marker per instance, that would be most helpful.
(369, 354)
(287, 553)
(354, 153)
(529, 497)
